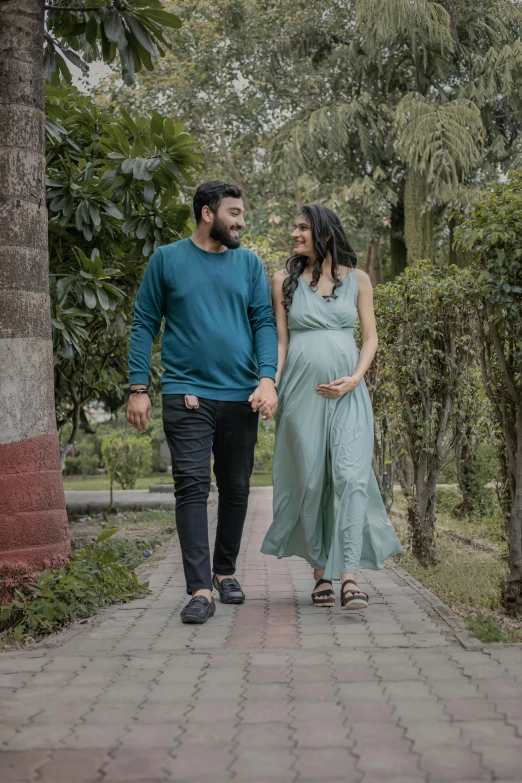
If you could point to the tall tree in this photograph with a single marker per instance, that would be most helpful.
(33, 519)
(492, 233)
(418, 106)
(424, 324)
(201, 81)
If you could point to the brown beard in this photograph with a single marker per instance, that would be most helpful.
(221, 233)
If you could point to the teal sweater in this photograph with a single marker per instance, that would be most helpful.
(220, 335)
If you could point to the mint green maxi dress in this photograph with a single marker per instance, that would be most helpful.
(327, 505)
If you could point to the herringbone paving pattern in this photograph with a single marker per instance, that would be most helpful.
(275, 690)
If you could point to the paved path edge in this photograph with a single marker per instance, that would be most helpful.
(444, 612)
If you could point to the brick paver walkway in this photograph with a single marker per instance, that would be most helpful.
(275, 690)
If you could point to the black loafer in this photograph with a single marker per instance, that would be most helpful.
(198, 610)
(229, 590)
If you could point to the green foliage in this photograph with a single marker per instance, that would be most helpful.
(440, 142)
(491, 233)
(488, 629)
(425, 331)
(397, 89)
(448, 500)
(424, 326)
(264, 452)
(424, 23)
(88, 455)
(86, 459)
(100, 29)
(127, 455)
(130, 551)
(466, 586)
(271, 250)
(114, 185)
(94, 578)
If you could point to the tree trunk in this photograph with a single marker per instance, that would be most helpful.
(33, 519)
(382, 463)
(418, 218)
(421, 513)
(397, 243)
(75, 419)
(513, 588)
(469, 476)
(404, 472)
(374, 263)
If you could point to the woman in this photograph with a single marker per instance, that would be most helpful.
(327, 505)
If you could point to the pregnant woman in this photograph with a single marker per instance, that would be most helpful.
(327, 505)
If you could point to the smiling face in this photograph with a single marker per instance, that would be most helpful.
(228, 222)
(303, 239)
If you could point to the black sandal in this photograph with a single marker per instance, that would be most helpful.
(316, 597)
(349, 597)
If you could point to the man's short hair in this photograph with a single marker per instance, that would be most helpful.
(209, 194)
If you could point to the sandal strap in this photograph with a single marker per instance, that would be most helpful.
(323, 582)
(352, 591)
(323, 592)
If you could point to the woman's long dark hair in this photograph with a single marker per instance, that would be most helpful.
(328, 236)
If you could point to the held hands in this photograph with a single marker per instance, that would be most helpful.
(139, 411)
(339, 387)
(264, 399)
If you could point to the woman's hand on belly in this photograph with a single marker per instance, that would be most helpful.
(339, 387)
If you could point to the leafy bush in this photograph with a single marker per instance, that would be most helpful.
(87, 457)
(130, 552)
(264, 453)
(491, 233)
(426, 341)
(448, 500)
(488, 629)
(127, 455)
(94, 578)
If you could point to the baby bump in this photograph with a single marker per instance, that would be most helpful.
(321, 356)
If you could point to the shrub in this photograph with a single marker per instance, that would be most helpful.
(94, 578)
(492, 234)
(127, 455)
(130, 552)
(86, 459)
(424, 326)
(264, 453)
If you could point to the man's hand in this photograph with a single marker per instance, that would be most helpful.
(264, 399)
(139, 411)
(339, 387)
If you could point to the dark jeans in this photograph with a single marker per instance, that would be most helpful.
(229, 429)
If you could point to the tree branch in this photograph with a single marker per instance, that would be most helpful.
(506, 376)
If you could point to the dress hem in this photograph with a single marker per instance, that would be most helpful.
(363, 564)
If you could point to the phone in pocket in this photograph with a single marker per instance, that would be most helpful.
(191, 401)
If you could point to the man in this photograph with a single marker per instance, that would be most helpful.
(219, 351)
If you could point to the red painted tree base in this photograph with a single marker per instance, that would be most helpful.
(33, 519)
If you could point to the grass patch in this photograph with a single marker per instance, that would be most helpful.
(139, 530)
(470, 569)
(261, 480)
(101, 483)
(132, 552)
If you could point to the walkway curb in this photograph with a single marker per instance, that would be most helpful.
(453, 621)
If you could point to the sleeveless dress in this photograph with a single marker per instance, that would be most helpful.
(327, 505)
